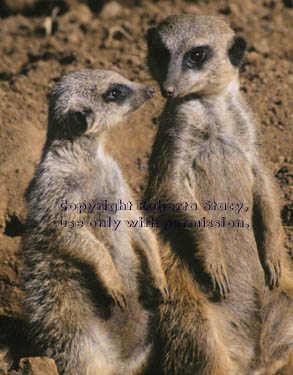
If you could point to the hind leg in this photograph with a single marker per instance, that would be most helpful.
(278, 367)
(283, 366)
(191, 345)
(75, 347)
(83, 356)
(60, 310)
(277, 335)
(288, 368)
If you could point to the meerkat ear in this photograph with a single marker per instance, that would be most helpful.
(151, 35)
(79, 121)
(237, 49)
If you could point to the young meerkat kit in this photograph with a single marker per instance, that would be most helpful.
(222, 317)
(81, 279)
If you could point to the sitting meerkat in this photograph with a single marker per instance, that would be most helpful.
(82, 271)
(204, 161)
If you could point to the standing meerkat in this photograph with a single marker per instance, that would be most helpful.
(81, 277)
(205, 160)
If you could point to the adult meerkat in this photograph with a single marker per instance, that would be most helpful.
(204, 159)
(81, 278)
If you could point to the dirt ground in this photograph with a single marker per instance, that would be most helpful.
(42, 40)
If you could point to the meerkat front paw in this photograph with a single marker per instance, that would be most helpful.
(118, 297)
(217, 272)
(214, 264)
(160, 283)
(272, 268)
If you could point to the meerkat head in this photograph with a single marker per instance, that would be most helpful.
(88, 102)
(193, 54)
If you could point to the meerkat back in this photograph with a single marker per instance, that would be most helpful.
(81, 261)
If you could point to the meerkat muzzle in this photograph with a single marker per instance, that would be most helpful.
(150, 91)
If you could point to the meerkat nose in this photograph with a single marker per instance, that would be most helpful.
(150, 91)
(169, 92)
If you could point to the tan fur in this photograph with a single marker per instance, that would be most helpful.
(206, 149)
(83, 285)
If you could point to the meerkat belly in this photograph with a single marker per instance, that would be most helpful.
(224, 189)
(109, 225)
(127, 334)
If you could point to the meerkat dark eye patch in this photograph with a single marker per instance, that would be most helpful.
(156, 48)
(117, 94)
(196, 57)
(158, 57)
(237, 50)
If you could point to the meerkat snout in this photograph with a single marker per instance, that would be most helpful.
(190, 54)
(150, 91)
(169, 92)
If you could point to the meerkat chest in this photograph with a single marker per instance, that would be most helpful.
(216, 152)
(212, 129)
(206, 120)
(105, 178)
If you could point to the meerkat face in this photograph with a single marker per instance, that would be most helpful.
(193, 54)
(87, 102)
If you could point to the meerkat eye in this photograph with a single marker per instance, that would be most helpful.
(114, 93)
(197, 56)
(117, 94)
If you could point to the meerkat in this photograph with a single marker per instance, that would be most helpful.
(82, 277)
(229, 312)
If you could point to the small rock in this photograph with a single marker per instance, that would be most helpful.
(263, 46)
(253, 56)
(84, 13)
(38, 366)
(6, 360)
(79, 14)
(111, 10)
(19, 5)
(3, 368)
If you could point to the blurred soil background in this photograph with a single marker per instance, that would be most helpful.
(41, 40)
